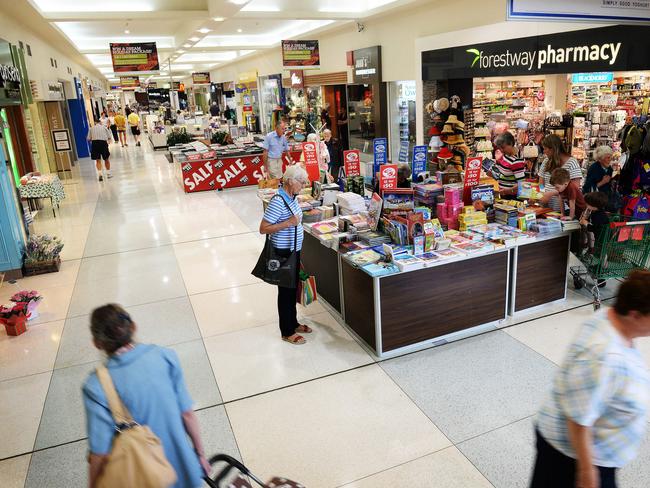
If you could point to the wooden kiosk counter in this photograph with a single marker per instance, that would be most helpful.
(413, 309)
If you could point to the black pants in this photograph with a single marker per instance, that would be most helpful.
(287, 303)
(555, 470)
(114, 131)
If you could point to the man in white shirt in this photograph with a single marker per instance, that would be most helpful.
(100, 136)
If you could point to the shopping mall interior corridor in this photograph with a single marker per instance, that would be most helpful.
(327, 414)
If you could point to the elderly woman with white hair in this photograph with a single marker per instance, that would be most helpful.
(283, 221)
(322, 153)
(600, 172)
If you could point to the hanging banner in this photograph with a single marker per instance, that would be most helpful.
(302, 54)
(202, 78)
(311, 160)
(419, 162)
(472, 177)
(388, 177)
(129, 82)
(620, 11)
(135, 57)
(352, 162)
(379, 146)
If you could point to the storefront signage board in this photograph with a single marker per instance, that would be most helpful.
(352, 162)
(9, 76)
(613, 48)
(419, 162)
(367, 65)
(302, 54)
(134, 57)
(61, 140)
(379, 152)
(388, 177)
(472, 177)
(129, 82)
(201, 78)
(222, 173)
(621, 11)
(311, 160)
(592, 77)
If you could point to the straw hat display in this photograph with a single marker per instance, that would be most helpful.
(441, 105)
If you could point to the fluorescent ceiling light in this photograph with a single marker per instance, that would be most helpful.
(94, 6)
(208, 57)
(204, 30)
(290, 30)
(238, 2)
(194, 39)
(218, 19)
(261, 6)
(187, 45)
(100, 59)
(240, 30)
(356, 6)
(181, 51)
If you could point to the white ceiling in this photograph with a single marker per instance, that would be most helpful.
(198, 35)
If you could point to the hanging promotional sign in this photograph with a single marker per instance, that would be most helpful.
(311, 160)
(379, 147)
(134, 57)
(201, 78)
(129, 82)
(620, 11)
(592, 77)
(613, 48)
(419, 162)
(472, 177)
(388, 177)
(297, 77)
(302, 54)
(352, 162)
(9, 76)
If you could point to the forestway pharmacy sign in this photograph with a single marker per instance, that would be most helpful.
(604, 49)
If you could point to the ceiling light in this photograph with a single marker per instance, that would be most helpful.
(218, 19)
(239, 30)
(238, 2)
(180, 51)
(194, 39)
(204, 30)
(127, 31)
(187, 45)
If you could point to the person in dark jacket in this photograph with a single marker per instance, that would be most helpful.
(336, 153)
(599, 175)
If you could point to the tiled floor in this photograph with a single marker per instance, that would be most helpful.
(326, 414)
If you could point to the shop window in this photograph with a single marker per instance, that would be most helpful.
(21, 45)
(29, 50)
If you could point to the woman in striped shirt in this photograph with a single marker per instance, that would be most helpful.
(282, 220)
(510, 168)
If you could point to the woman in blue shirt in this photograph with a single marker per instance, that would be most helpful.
(282, 219)
(150, 383)
(599, 174)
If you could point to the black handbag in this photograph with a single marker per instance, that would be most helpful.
(275, 268)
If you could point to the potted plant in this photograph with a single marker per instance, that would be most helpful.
(14, 317)
(42, 255)
(178, 136)
(31, 298)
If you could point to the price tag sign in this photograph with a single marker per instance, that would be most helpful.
(352, 161)
(419, 162)
(311, 160)
(472, 177)
(388, 177)
(379, 148)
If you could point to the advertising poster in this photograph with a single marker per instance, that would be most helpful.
(352, 162)
(311, 160)
(472, 177)
(300, 54)
(379, 148)
(419, 162)
(129, 82)
(134, 57)
(202, 78)
(388, 177)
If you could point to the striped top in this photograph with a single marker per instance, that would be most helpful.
(277, 212)
(99, 132)
(508, 170)
(603, 384)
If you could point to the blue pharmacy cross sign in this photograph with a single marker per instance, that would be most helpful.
(379, 150)
(419, 162)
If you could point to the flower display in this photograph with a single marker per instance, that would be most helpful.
(41, 248)
(10, 310)
(26, 296)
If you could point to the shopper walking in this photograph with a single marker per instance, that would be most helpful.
(214, 110)
(149, 381)
(335, 151)
(275, 146)
(342, 124)
(595, 418)
(113, 125)
(556, 157)
(120, 123)
(283, 221)
(99, 137)
(599, 174)
(134, 122)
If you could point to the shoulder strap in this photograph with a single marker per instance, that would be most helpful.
(295, 227)
(120, 413)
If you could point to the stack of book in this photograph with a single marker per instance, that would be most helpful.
(567, 225)
(427, 194)
(351, 203)
(373, 238)
(380, 269)
(362, 257)
(407, 262)
(506, 214)
(324, 227)
(547, 226)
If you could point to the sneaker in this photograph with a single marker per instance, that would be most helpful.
(138, 143)
(101, 178)
(109, 176)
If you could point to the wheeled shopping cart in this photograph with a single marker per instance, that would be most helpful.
(620, 248)
(235, 475)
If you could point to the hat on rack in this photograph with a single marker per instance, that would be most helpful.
(434, 131)
(455, 139)
(447, 129)
(465, 148)
(441, 105)
(445, 153)
(435, 143)
(452, 119)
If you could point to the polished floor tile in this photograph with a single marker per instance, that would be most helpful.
(198, 374)
(216, 432)
(475, 385)
(334, 430)
(59, 467)
(257, 360)
(240, 307)
(203, 224)
(30, 353)
(13, 472)
(246, 204)
(444, 469)
(21, 405)
(215, 264)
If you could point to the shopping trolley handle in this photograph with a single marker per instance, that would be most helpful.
(229, 460)
(613, 225)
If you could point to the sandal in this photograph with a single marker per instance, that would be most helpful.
(297, 339)
(305, 329)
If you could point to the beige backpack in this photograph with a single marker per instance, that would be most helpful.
(137, 459)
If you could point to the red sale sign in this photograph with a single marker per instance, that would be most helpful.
(311, 160)
(388, 177)
(472, 177)
(352, 161)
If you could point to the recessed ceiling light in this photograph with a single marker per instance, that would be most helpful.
(239, 30)
(180, 51)
(238, 2)
(187, 45)
(204, 30)
(218, 19)
(127, 31)
(194, 39)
